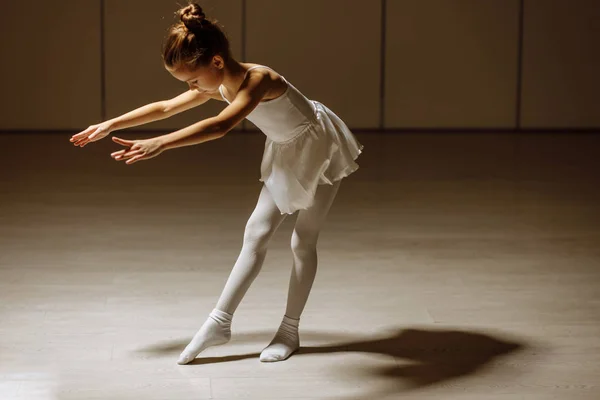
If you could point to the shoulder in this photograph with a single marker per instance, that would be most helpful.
(270, 82)
(262, 73)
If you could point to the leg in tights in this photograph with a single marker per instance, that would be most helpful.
(304, 250)
(261, 226)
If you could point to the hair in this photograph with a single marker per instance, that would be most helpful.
(194, 40)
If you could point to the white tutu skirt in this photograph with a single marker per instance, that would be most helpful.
(321, 154)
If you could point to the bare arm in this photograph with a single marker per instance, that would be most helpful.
(142, 115)
(252, 91)
(159, 110)
(249, 95)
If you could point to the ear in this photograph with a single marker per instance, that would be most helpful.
(218, 62)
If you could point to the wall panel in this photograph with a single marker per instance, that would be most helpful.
(561, 64)
(50, 69)
(451, 63)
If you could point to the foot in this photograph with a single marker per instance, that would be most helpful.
(215, 331)
(285, 342)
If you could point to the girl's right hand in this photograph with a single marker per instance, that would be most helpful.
(91, 134)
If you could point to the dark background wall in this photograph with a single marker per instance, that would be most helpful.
(407, 64)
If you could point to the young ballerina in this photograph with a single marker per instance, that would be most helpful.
(308, 150)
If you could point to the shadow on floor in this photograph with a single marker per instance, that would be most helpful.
(432, 356)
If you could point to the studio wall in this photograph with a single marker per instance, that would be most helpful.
(392, 64)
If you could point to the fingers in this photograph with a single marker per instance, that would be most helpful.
(127, 152)
(83, 138)
(124, 154)
(81, 135)
(134, 159)
(123, 141)
(118, 153)
(93, 135)
(82, 142)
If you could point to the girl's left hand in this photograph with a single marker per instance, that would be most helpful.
(138, 149)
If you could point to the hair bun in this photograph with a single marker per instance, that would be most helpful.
(192, 17)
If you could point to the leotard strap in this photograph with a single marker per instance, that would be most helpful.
(248, 70)
(255, 67)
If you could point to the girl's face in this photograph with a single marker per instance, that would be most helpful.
(203, 79)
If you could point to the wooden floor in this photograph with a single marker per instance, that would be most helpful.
(452, 266)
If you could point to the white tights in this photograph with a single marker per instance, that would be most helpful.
(261, 226)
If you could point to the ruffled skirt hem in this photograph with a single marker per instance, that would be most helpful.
(325, 152)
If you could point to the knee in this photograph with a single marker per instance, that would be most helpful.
(304, 241)
(258, 233)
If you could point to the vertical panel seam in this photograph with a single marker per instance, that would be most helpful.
(102, 63)
(519, 94)
(244, 123)
(244, 31)
(382, 69)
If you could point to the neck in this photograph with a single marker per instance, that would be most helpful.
(234, 75)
